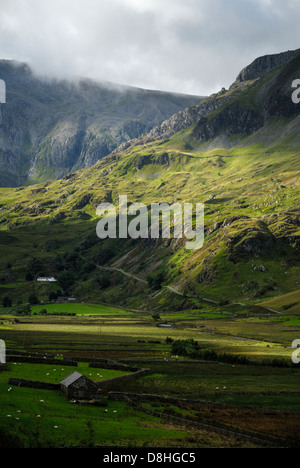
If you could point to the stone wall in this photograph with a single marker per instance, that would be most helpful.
(114, 395)
(107, 364)
(41, 360)
(33, 384)
(115, 382)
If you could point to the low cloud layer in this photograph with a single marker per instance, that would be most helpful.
(190, 46)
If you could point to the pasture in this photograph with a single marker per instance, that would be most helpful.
(229, 393)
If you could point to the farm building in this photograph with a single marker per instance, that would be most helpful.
(78, 386)
(46, 279)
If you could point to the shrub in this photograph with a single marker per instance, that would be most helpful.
(23, 310)
(43, 312)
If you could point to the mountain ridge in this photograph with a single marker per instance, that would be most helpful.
(49, 127)
(189, 116)
(264, 64)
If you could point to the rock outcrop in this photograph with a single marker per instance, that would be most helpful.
(264, 64)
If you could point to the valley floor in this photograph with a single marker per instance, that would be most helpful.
(243, 392)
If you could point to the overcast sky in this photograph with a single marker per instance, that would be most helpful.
(187, 46)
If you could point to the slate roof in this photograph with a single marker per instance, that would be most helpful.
(71, 379)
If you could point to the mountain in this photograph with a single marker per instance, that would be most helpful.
(267, 98)
(237, 152)
(222, 100)
(49, 128)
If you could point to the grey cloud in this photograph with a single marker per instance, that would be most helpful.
(193, 46)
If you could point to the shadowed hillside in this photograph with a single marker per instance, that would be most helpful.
(49, 127)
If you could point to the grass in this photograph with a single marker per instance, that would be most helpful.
(264, 389)
(287, 303)
(285, 320)
(244, 184)
(55, 373)
(79, 309)
(43, 418)
(256, 337)
(34, 418)
(254, 386)
(55, 424)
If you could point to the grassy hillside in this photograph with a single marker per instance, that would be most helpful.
(249, 184)
(251, 222)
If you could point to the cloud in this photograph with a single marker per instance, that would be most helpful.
(191, 46)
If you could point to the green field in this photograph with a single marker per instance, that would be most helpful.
(221, 392)
(55, 373)
(287, 303)
(33, 418)
(26, 421)
(79, 309)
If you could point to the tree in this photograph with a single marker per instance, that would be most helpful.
(29, 276)
(36, 267)
(33, 299)
(87, 267)
(105, 255)
(155, 280)
(23, 310)
(7, 302)
(66, 279)
(52, 296)
(103, 281)
(188, 347)
(156, 317)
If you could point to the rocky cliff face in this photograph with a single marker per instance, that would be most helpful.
(49, 128)
(264, 64)
(233, 120)
(266, 97)
(187, 117)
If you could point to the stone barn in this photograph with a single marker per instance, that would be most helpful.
(78, 387)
